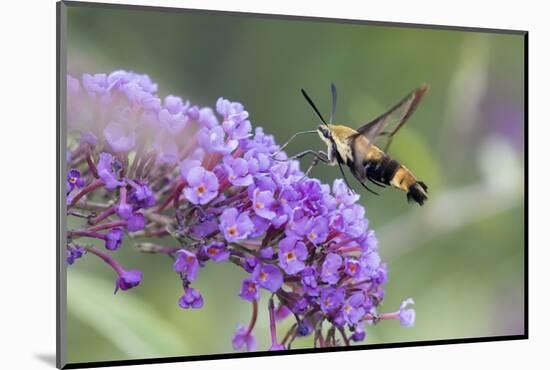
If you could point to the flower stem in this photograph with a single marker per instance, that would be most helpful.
(254, 317)
(272, 326)
(344, 336)
(93, 186)
(180, 184)
(103, 215)
(155, 248)
(108, 225)
(86, 233)
(384, 316)
(107, 258)
(289, 333)
(91, 164)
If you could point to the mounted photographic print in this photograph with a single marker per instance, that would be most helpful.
(235, 185)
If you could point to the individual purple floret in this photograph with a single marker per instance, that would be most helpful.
(292, 254)
(136, 222)
(74, 253)
(245, 338)
(113, 239)
(202, 186)
(199, 185)
(331, 299)
(191, 299)
(74, 180)
(216, 251)
(235, 226)
(237, 171)
(108, 170)
(250, 290)
(187, 264)
(407, 315)
(268, 277)
(128, 279)
(330, 269)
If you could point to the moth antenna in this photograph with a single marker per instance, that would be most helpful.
(334, 96)
(312, 104)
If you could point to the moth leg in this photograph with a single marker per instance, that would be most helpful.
(322, 156)
(365, 186)
(345, 178)
(318, 156)
(376, 182)
(289, 140)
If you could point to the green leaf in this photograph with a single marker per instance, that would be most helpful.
(126, 320)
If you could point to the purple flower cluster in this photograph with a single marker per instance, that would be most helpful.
(227, 194)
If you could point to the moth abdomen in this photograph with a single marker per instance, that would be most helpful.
(382, 170)
(418, 192)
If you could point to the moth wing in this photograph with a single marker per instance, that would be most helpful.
(388, 124)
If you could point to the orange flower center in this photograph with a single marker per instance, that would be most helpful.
(212, 250)
(263, 276)
(347, 308)
(72, 180)
(352, 267)
(259, 205)
(290, 256)
(232, 230)
(190, 258)
(252, 288)
(312, 235)
(201, 189)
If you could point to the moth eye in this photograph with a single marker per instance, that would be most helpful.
(325, 132)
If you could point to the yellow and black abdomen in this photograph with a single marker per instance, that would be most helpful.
(388, 171)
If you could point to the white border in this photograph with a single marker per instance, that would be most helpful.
(28, 181)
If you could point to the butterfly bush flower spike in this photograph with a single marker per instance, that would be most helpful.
(203, 185)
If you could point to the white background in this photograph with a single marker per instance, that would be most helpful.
(27, 202)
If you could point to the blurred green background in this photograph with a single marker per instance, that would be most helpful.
(460, 257)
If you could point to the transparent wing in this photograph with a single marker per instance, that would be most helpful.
(388, 124)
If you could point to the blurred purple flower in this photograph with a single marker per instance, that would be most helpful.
(329, 272)
(108, 170)
(141, 195)
(244, 338)
(120, 138)
(407, 315)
